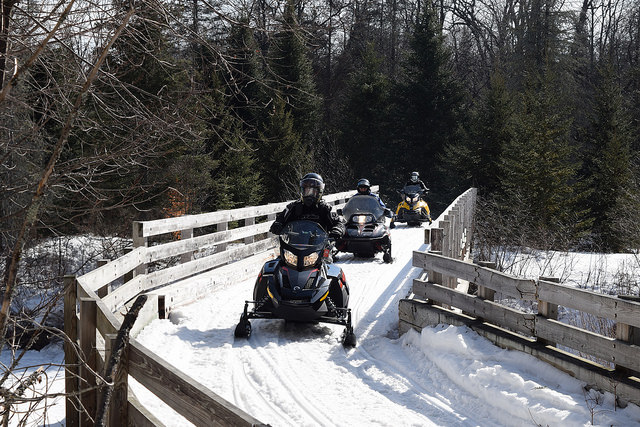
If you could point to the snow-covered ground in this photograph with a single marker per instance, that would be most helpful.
(300, 375)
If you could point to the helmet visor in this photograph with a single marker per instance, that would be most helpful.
(311, 191)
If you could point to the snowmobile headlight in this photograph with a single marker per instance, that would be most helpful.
(290, 258)
(363, 219)
(415, 199)
(310, 259)
(408, 199)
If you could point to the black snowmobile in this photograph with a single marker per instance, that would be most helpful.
(366, 230)
(301, 285)
(412, 209)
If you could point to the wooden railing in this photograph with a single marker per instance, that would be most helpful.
(440, 297)
(192, 255)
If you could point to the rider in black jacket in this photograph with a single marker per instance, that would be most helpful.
(310, 207)
(415, 180)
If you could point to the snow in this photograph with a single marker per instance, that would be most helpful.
(301, 375)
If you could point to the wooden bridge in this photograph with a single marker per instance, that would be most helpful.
(175, 261)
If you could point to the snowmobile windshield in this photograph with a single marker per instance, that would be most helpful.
(412, 189)
(362, 204)
(303, 234)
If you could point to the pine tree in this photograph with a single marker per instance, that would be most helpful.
(537, 167)
(475, 160)
(609, 170)
(155, 96)
(293, 74)
(364, 127)
(284, 158)
(429, 105)
(245, 77)
(287, 134)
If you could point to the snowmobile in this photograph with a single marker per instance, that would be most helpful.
(412, 209)
(301, 285)
(366, 231)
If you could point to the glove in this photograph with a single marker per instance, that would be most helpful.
(335, 233)
(276, 228)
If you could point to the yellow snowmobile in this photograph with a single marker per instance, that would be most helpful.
(412, 209)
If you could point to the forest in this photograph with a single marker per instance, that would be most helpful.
(113, 111)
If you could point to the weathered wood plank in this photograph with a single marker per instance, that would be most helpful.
(180, 293)
(605, 348)
(188, 397)
(139, 416)
(124, 293)
(169, 225)
(179, 247)
(472, 305)
(112, 271)
(524, 289)
(163, 277)
(611, 307)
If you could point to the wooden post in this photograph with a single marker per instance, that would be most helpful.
(437, 236)
(223, 226)
(427, 236)
(128, 276)
(484, 292)
(434, 276)
(184, 235)
(162, 310)
(88, 317)
(103, 291)
(547, 309)
(139, 240)
(446, 236)
(70, 355)
(455, 236)
(629, 334)
(247, 222)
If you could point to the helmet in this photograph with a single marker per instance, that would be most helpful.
(311, 188)
(415, 176)
(364, 187)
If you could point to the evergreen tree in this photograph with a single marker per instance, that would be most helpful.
(287, 135)
(293, 74)
(537, 167)
(364, 127)
(230, 122)
(244, 78)
(284, 158)
(475, 161)
(154, 105)
(609, 170)
(429, 103)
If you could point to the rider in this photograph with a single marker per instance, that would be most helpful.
(364, 188)
(311, 207)
(414, 179)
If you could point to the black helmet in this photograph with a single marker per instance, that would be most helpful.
(311, 188)
(364, 187)
(415, 176)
